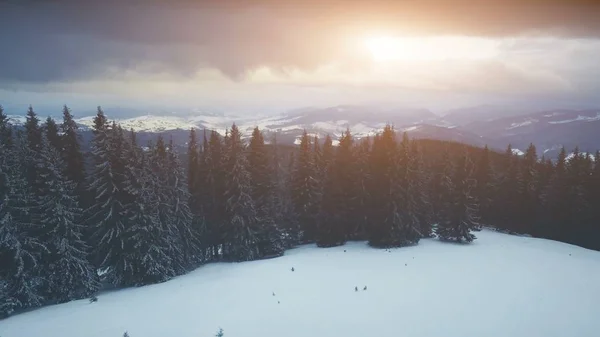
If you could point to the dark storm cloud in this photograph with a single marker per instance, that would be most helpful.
(66, 40)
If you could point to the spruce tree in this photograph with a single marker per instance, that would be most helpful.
(419, 182)
(105, 214)
(405, 195)
(460, 214)
(241, 217)
(5, 130)
(148, 260)
(269, 236)
(182, 215)
(362, 192)
(51, 131)
(72, 154)
(557, 210)
(305, 189)
(69, 274)
(529, 194)
(484, 189)
(20, 250)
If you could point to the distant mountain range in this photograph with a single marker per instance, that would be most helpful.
(483, 125)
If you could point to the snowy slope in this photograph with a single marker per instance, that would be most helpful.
(500, 286)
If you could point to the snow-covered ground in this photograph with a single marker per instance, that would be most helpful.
(500, 285)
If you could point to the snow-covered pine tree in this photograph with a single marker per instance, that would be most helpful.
(191, 255)
(165, 194)
(105, 215)
(484, 189)
(73, 156)
(362, 193)
(241, 226)
(283, 207)
(20, 250)
(578, 171)
(384, 218)
(554, 197)
(193, 173)
(51, 132)
(33, 133)
(507, 207)
(5, 130)
(68, 273)
(330, 231)
(270, 238)
(529, 190)
(460, 215)
(418, 176)
(150, 261)
(403, 195)
(305, 189)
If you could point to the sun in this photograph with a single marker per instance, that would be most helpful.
(385, 48)
(428, 48)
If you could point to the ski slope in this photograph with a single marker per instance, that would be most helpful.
(500, 285)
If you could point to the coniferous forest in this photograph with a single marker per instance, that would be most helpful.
(127, 214)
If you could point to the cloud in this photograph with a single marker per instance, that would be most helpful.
(67, 41)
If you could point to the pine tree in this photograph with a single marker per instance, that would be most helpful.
(51, 130)
(193, 172)
(241, 222)
(283, 207)
(419, 182)
(5, 130)
(460, 215)
(362, 192)
(330, 226)
(33, 133)
(404, 195)
(69, 274)
(529, 195)
(385, 225)
(484, 189)
(149, 260)
(182, 215)
(507, 211)
(554, 198)
(20, 250)
(73, 156)
(107, 185)
(212, 194)
(305, 189)
(269, 236)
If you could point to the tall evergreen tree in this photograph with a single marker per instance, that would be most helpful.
(5, 130)
(73, 156)
(51, 130)
(305, 189)
(69, 274)
(460, 216)
(419, 183)
(105, 215)
(269, 236)
(241, 222)
(20, 250)
(484, 189)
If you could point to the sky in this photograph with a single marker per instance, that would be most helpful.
(268, 56)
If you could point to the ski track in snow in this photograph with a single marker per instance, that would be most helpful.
(500, 285)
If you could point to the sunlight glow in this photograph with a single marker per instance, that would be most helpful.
(387, 48)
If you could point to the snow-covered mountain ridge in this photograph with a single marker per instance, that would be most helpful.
(548, 130)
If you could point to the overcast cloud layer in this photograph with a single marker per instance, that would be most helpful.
(284, 55)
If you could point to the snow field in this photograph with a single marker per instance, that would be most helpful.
(500, 285)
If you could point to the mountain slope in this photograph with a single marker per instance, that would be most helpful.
(500, 285)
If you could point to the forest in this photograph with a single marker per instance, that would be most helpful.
(126, 214)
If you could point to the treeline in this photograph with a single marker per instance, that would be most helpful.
(127, 215)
